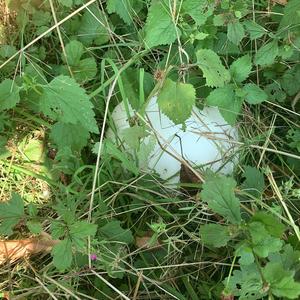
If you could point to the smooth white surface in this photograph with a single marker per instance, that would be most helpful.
(206, 141)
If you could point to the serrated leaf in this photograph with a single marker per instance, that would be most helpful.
(255, 30)
(35, 227)
(122, 8)
(235, 32)
(262, 242)
(79, 231)
(176, 100)
(69, 135)
(215, 235)
(11, 212)
(132, 136)
(160, 28)
(240, 69)
(85, 70)
(9, 94)
(254, 94)
(199, 10)
(74, 50)
(64, 100)
(266, 54)
(210, 64)
(114, 232)
(62, 255)
(254, 182)
(218, 192)
(228, 103)
(93, 27)
(291, 14)
(246, 254)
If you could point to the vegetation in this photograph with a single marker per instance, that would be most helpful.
(119, 232)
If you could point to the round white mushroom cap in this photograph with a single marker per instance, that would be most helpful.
(207, 140)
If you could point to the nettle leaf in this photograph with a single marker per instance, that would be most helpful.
(79, 231)
(176, 100)
(113, 231)
(34, 226)
(199, 10)
(240, 69)
(74, 50)
(246, 254)
(93, 27)
(215, 235)
(254, 182)
(228, 103)
(85, 70)
(121, 8)
(235, 32)
(62, 255)
(291, 14)
(254, 94)
(255, 30)
(210, 64)
(160, 28)
(132, 136)
(281, 281)
(218, 192)
(69, 135)
(64, 100)
(266, 54)
(262, 242)
(9, 94)
(11, 212)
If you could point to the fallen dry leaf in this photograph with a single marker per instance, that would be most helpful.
(282, 2)
(143, 242)
(12, 250)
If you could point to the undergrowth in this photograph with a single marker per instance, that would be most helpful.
(122, 232)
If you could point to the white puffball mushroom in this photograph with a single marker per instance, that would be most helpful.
(207, 141)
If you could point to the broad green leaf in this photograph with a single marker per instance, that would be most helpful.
(9, 94)
(291, 14)
(240, 69)
(94, 27)
(262, 242)
(228, 103)
(62, 255)
(64, 100)
(199, 10)
(79, 231)
(74, 51)
(113, 231)
(215, 235)
(254, 183)
(122, 8)
(176, 100)
(210, 63)
(246, 254)
(255, 30)
(160, 28)
(67, 3)
(85, 70)
(35, 227)
(133, 135)
(235, 32)
(254, 94)
(271, 223)
(266, 54)
(72, 135)
(11, 212)
(218, 192)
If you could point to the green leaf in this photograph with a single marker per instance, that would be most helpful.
(86, 70)
(263, 242)
(235, 32)
(255, 30)
(69, 135)
(64, 100)
(228, 103)
(254, 182)
(215, 235)
(218, 192)
(199, 10)
(160, 28)
(35, 227)
(11, 212)
(291, 14)
(94, 27)
(79, 231)
(74, 50)
(113, 231)
(62, 255)
(246, 254)
(210, 63)
(121, 8)
(67, 3)
(240, 69)
(271, 223)
(176, 100)
(9, 94)
(133, 135)
(254, 94)
(266, 54)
